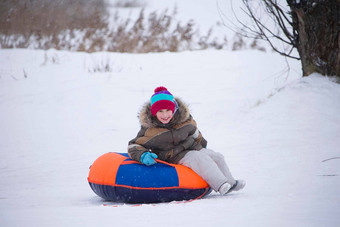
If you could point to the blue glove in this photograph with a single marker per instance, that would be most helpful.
(148, 158)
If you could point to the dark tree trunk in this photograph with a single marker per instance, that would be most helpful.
(316, 25)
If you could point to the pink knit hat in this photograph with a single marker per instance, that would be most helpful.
(162, 99)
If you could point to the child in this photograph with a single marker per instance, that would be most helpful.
(169, 132)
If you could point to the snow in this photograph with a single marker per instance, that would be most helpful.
(274, 128)
(61, 110)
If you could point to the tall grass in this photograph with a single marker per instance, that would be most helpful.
(50, 17)
(83, 25)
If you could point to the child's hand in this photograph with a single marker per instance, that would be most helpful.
(148, 158)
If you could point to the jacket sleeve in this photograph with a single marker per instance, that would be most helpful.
(194, 141)
(136, 150)
(199, 141)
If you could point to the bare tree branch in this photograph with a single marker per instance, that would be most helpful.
(309, 26)
(259, 29)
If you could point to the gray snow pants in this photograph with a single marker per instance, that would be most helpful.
(210, 165)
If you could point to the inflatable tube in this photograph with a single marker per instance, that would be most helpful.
(116, 177)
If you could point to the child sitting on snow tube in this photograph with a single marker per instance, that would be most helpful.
(168, 132)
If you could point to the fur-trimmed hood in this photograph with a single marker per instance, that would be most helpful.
(147, 120)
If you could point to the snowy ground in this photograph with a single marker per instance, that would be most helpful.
(275, 129)
(61, 110)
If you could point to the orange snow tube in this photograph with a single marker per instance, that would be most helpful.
(115, 177)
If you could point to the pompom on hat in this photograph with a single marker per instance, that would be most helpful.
(162, 99)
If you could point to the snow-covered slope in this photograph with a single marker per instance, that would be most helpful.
(278, 131)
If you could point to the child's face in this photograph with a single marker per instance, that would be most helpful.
(164, 116)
